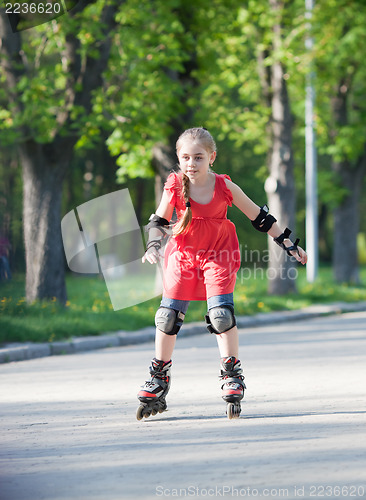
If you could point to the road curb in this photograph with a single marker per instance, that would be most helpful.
(24, 352)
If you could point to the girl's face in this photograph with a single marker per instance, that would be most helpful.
(195, 160)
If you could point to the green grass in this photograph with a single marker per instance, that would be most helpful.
(90, 312)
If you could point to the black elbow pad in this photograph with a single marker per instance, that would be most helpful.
(264, 220)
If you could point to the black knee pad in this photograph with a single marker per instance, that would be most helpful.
(169, 320)
(220, 319)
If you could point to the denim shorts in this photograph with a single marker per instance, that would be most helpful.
(226, 299)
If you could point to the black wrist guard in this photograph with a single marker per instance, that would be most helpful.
(264, 220)
(159, 223)
(283, 236)
(156, 221)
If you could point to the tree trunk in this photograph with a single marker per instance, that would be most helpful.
(280, 186)
(325, 247)
(346, 215)
(138, 205)
(163, 163)
(347, 222)
(45, 276)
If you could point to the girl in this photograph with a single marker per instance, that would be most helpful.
(201, 260)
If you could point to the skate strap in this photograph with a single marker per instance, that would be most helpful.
(231, 373)
(157, 381)
(235, 380)
(230, 377)
(159, 374)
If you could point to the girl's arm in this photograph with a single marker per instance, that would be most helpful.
(251, 210)
(165, 211)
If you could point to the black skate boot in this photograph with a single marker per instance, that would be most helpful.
(233, 386)
(153, 392)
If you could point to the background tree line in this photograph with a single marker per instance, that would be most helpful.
(94, 100)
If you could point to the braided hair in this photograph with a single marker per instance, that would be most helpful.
(203, 136)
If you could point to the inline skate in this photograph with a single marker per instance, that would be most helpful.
(233, 386)
(153, 392)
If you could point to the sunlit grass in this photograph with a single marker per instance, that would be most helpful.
(89, 310)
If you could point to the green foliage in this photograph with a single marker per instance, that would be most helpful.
(361, 245)
(330, 188)
(144, 93)
(42, 89)
(340, 64)
(229, 95)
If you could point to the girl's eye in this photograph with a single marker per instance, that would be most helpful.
(197, 158)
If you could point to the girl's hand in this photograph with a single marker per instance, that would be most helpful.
(151, 255)
(300, 255)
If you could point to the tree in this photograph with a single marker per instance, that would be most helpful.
(341, 76)
(91, 88)
(153, 43)
(50, 97)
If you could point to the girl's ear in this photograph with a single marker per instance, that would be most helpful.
(212, 157)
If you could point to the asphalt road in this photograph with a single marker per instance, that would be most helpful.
(68, 426)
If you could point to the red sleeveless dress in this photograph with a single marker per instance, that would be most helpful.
(204, 261)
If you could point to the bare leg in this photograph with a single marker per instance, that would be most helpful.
(228, 343)
(164, 345)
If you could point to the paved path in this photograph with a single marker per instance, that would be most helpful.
(68, 427)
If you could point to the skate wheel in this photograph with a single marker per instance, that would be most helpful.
(233, 411)
(140, 412)
(143, 411)
(150, 409)
(162, 406)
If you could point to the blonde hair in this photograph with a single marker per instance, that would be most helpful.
(203, 136)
